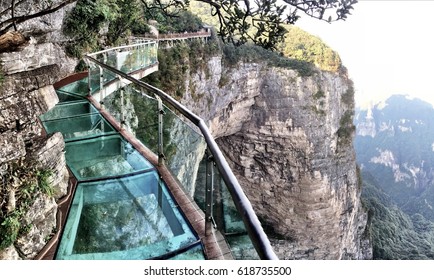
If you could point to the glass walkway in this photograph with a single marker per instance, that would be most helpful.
(122, 206)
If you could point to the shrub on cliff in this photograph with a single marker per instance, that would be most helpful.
(301, 45)
(253, 53)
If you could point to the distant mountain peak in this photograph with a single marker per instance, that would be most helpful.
(395, 143)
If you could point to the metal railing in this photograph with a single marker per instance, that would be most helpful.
(251, 222)
(177, 36)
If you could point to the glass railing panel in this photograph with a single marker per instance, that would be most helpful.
(184, 149)
(108, 76)
(242, 247)
(130, 58)
(103, 157)
(80, 127)
(230, 223)
(139, 112)
(94, 75)
(200, 185)
(70, 109)
(129, 218)
(68, 97)
(79, 87)
(225, 215)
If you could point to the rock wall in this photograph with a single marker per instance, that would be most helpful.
(26, 92)
(284, 137)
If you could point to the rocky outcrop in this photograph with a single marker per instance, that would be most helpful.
(26, 92)
(289, 141)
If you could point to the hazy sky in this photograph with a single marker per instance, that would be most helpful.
(387, 46)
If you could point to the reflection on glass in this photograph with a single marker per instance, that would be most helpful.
(67, 110)
(102, 157)
(80, 127)
(128, 218)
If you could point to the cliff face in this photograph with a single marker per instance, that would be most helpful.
(289, 141)
(26, 92)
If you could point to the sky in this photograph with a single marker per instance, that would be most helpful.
(387, 47)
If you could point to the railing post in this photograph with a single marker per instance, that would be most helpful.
(209, 192)
(160, 131)
(101, 86)
(122, 115)
(89, 79)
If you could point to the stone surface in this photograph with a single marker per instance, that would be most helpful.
(42, 219)
(12, 146)
(49, 154)
(36, 55)
(25, 94)
(9, 253)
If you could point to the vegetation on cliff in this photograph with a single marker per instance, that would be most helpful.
(301, 45)
(21, 183)
(395, 234)
(90, 21)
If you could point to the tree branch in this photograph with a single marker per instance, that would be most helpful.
(15, 20)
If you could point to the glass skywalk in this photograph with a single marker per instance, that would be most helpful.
(121, 208)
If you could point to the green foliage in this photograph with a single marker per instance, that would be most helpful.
(395, 235)
(176, 61)
(81, 66)
(252, 53)
(9, 229)
(185, 21)
(84, 23)
(348, 97)
(301, 45)
(127, 18)
(44, 184)
(346, 127)
(319, 94)
(88, 18)
(262, 22)
(26, 182)
(172, 69)
(203, 11)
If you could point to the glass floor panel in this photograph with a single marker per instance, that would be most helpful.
(102, 157)
(69, 109)
(68, 97)
(79, 87)
(80, 127)
(128, 218)
(195, 253)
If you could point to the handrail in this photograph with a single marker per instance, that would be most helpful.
(170, 36)
(243, 205)
(184, 35)
(148, 42)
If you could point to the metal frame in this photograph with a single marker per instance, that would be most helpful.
(243, 205)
